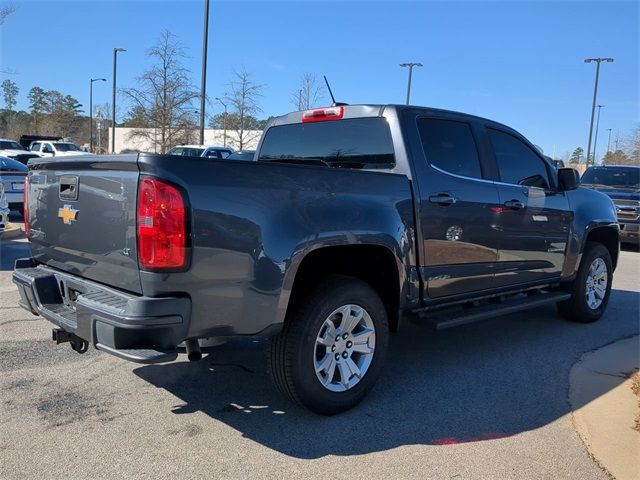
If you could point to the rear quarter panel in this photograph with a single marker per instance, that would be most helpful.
(252, 224)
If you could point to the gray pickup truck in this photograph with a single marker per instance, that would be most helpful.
(350, 219)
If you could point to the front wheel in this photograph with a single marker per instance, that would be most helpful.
(332, 348)
(592, 286)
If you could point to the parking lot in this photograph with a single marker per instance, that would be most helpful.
(483, 401)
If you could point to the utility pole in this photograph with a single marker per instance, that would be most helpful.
(410, 65)
(609, 142)
(113, 100)
(595, 94)
(91, 110)
(595, 141)
(203, 84)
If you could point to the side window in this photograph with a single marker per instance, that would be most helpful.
(213, 154)
(517, 163)
(47, 148)
(35, 147)
(449, 145)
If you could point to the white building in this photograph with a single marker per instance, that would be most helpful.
(126, 141)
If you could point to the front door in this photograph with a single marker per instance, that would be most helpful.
(456, 210)
(534, 218)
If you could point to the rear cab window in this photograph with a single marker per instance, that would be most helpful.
(360, 143)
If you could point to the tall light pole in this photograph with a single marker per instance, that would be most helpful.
(595, 94)
(91, 110)
(410, 65)
(595, 141)
(224, 120)
(203, 82)
(113, 100)
(609, 141)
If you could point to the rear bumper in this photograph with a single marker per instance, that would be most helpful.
(139, 329)
(14, 198)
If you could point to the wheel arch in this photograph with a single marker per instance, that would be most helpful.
(375, 264)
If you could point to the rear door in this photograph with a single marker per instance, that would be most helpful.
(534, 218)
(456, 208)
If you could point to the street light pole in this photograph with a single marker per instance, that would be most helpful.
(410, 65)
(595, 94)
(224, 120)
(203, 84)
(595, 141)
(113, 100)
(91, 110)
(609, 141)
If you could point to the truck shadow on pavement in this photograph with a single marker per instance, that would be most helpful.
(480, 382)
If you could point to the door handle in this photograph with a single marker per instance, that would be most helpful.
(443, 199)
(514, 204)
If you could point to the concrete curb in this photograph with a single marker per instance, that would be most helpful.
(604, 407)
(11, 232)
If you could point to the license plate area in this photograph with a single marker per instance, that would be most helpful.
(17, 186)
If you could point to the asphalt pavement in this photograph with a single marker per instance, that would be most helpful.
(488, 400)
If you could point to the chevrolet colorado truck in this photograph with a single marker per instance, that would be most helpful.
(350, 219)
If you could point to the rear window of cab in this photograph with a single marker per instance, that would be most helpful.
(347, 143)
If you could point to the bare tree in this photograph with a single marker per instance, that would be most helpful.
(5, 11)
(309, 94)
(243, 100)
(632, 145)
(164, 97)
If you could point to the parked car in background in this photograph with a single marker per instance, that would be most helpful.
(209, 151)
(4, 209)
(12, 149)
(12, 175)
(57, 149)
(246, 155)
(622, 184)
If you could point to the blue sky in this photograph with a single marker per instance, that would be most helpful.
(517, 62)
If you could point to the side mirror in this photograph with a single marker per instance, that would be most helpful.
(568, 179)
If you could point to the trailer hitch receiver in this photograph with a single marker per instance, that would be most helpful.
(62, 336)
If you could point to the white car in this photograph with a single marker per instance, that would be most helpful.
(12, 149)
(56, 149)
(4, 209)
(12, 176)
(209, 151)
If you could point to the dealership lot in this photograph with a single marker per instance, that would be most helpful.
(484, 401)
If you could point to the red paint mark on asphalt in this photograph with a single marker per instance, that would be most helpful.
(484, 436)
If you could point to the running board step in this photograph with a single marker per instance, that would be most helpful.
(444, 320)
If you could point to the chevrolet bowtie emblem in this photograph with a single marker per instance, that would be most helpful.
(68, 214)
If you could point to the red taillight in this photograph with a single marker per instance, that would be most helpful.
(162, 236)
(25, 209)
(322, 114)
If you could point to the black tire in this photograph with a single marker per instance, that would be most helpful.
(576, 308)
(292, 351)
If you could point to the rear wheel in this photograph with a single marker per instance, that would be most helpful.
(332, 348)
(592, 286)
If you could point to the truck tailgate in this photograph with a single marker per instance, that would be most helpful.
(82, 217)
